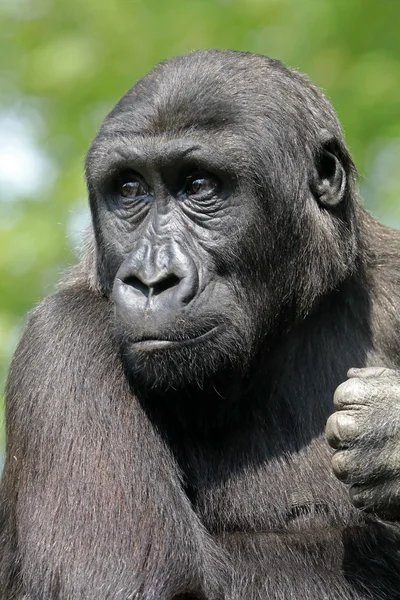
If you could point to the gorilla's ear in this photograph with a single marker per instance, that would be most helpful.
(330, 177)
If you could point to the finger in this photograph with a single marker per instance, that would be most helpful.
(341, 429)
(380, 497)
(366, 372)
(351, 392)
(349, 467)
(341, 465)
(362, 496)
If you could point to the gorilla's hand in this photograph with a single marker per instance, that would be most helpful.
(365, 431)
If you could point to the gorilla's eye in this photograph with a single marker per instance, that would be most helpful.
(201, 186)
(133, 188)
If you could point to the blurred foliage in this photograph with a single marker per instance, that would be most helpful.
(64, 63)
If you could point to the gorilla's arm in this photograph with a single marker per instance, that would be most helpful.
(92, 502)
(365, 431)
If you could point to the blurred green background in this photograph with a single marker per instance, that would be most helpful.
(64, 63)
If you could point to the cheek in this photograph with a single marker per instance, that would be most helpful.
(114, 238)
(109, 259)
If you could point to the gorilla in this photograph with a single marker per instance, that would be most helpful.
(166, 406)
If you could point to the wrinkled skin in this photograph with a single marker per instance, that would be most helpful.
(365, 431)
(166, 406)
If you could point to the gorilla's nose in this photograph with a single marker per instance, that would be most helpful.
(156, 279)
(154, 285)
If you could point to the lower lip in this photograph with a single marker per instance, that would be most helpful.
(160, 344)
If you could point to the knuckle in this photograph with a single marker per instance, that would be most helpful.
(351, 391)
(340, 465)
(347, 425)
(341, 428)
(378, 372)
(332, 431)
(359, 496)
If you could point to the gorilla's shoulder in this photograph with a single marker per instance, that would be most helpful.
(72, 318)
(384, 243)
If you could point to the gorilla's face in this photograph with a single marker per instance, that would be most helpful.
(176, 225)
(203, 216)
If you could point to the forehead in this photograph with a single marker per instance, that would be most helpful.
(215, 90)
(173, 111)
(206, 90)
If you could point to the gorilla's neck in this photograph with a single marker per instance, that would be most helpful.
(197, 411)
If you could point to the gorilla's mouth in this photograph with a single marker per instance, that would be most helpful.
(160, 343)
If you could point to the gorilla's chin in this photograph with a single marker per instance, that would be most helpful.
(164, 364)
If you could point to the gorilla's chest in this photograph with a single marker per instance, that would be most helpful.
(285, 493)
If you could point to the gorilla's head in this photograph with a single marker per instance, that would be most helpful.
(222, 196)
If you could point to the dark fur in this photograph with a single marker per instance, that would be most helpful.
(219, 485)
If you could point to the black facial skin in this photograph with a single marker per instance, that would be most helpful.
(171, 275)
(166, 407)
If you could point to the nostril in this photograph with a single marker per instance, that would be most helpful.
(165, 284)
(152, 288)
(137, 284)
